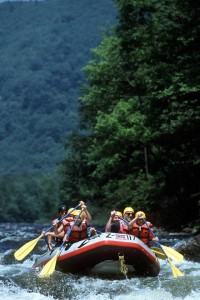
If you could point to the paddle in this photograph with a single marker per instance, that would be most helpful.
(171, 253)
(51, 265)
(158, 252)
(28, 247)
(175, 271)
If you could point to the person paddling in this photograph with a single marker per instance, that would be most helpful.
(114, 223)
(79, 231)
(62, 210)
(138, 228)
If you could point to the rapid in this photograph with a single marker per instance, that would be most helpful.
(19, 281)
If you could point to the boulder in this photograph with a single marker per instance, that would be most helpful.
(190, 248)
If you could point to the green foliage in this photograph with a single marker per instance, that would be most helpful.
(141, 110)
(43, 46)
(28, 198)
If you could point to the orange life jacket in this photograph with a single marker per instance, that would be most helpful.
(59, 240)
(78, 233)
(142, 232)
(123, 228)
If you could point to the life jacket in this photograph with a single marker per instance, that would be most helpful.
(123, 228)
(78, 233)
(69, 219)
(142, 232)
(59, 240)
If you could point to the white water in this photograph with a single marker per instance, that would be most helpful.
(18, 281)
(163, 287)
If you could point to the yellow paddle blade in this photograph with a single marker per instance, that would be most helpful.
(158, 252)
(175, 271)
(173, 254)
(49, 267)
(26, 249)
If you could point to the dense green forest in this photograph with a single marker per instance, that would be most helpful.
(136, 139)
(139, 142)
(43, 47)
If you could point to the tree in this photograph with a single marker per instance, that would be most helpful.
(141, 111)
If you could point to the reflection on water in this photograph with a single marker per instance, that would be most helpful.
(18, 281)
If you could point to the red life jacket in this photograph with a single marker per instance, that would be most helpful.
(78, 233)
(142, 232)
(123, 228)
(64, 222)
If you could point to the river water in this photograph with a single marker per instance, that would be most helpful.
(19, 281)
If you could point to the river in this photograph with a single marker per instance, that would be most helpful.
(19, 281)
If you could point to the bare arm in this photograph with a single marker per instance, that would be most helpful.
(58, 230)
(110, 220)
(87, 214)
(130, 224)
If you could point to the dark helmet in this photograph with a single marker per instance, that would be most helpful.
(62, 208)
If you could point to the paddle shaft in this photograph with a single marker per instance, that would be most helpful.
(149, 230)
(65, 216)
(50, 266)
(176, 272)
(28, 247)
(122, 219)
(69, 232)
(154, 237)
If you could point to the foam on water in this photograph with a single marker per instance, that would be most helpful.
(136, 288)
(147, 295)
(12, 292)
(17, 281)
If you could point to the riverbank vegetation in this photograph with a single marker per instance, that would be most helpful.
(140, 115)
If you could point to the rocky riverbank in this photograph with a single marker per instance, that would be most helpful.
(190, 248)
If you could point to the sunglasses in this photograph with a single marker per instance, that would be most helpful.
(129, 214)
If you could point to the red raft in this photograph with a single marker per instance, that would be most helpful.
(101, 254)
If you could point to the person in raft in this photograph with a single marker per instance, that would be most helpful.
(117, 225)
(79, 231)
(138, 228)
(113, 224)
(51, 236)
(91, 231)
(128, 214)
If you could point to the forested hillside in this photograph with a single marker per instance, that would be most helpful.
(142, 108)
(43, 47)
